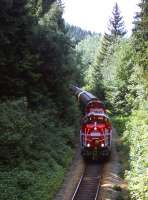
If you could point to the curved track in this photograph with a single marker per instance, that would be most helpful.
(89, 184)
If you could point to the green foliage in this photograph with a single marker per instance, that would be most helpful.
(35, 151)
(115, 33)
(119, 68)
(136, 136)
(97, 86)
(16, 51)
(140, 45)
(36, 56)
(122, 146)
(77, 34)
(116, 24)
(119, 122)
(106, 48)
(87, 50)
(104, 54)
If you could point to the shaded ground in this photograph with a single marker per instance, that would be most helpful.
(113, 187)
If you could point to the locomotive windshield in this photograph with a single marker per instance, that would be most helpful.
(92, 119)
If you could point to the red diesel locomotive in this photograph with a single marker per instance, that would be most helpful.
(96, 128)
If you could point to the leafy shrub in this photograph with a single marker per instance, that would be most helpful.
(36, 148)
(119, 122)
(137, 137)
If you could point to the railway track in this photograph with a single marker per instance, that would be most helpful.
(89, 185)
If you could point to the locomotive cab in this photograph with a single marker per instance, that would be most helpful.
(95, 106)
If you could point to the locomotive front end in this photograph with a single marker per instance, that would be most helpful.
(95, 135)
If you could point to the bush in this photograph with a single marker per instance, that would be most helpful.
(119, 122)
(35, 151)
(137, 137)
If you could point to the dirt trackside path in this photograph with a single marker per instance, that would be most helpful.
(113, 187)
(72, 177)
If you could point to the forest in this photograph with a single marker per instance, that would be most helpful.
(40, 57)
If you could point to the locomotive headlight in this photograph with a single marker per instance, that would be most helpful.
(95, 128)
(88, 145)
(102, 145)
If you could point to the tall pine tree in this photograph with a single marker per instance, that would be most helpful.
(116, 30)
(116, 23)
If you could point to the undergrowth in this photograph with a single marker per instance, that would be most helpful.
(136, 136)
(133, 151)
(35, 150)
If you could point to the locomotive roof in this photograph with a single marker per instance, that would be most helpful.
(97, 114)
(95, 100)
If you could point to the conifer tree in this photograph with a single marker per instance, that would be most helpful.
(105, 47)
(116, 30)
(141, 21)
(116, 23)
(35, 53)
(97, 80)
(16, 53)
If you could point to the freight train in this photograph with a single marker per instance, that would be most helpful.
(95, 126)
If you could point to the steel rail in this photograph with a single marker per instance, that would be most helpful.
(92, 181)
(98, 189)
(77, 187)
(98, 193)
